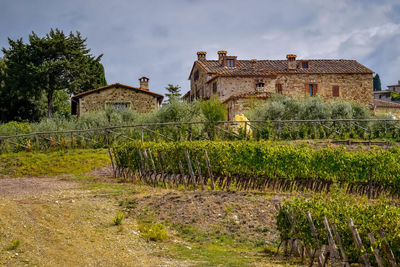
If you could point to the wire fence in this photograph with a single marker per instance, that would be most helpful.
(371, 131)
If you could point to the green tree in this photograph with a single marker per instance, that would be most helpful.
(377, 83)
(19, 99)
(213, 110)
(47, 65)
(174, 92)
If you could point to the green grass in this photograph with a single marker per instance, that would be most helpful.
(13, 245)
(52, 163)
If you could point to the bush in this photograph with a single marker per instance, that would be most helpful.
(153, 232)
(311, 108)
(118, 218)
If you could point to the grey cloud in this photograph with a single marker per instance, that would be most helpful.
(159, 39)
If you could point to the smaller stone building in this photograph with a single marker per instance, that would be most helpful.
(118, 96)
(382, 107)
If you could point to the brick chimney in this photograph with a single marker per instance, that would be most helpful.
(201, 55)
(254, 63)
(291, 59)
(144, 83)
(221, 55)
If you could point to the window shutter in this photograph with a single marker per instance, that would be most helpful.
(315, 89)
(335, 91)
(278, 87)
(307, 89)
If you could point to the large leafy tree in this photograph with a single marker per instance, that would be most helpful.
(46, 65)
(377, 83)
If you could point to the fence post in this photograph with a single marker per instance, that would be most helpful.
(245, 129)
(141, 134)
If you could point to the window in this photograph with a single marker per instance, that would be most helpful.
(214, 88)
(261, 84)
(335, 91)
(311, 89)
(230, 63)
(196, 75)
(304, 64)
(278, 88)
(118, 106)
(380, 96)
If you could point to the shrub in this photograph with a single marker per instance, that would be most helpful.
(118, 218)
(153, 232)
(311, 108)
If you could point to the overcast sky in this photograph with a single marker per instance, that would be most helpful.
(159, 39)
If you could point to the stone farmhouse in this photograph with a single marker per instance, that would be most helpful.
(237, 82)
(117, 96)
(387, 94)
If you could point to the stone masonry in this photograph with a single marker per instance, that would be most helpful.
(116, 95)
(330, 79)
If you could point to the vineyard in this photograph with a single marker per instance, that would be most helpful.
(364, 130)
(319, 228)
(246, 165)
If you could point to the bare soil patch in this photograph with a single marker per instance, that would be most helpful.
(33, 185)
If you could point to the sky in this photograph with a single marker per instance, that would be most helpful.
(159, 38)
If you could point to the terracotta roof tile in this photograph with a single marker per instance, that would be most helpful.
(386, 104)
(327, 66)
(159, 97)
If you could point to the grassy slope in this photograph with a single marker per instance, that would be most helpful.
(52, 163)
(74, 226)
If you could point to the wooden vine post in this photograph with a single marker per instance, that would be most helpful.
(358, 242)
(340, 244)
(196, 159)
(321, 258)
(388, 251)
(209, 169)
(189, 163)
(334, 253)
(374, 249)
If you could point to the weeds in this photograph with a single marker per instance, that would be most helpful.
(118, 218)
(154, 232)
(13, 245)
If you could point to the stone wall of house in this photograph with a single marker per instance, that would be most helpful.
(239, 106)
(139, 101)
(352, 87)
(228, 86)
(198, 88)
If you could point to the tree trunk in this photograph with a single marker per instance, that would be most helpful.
(50, 101)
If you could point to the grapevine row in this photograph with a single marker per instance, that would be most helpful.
(258, 165)
(363, 232)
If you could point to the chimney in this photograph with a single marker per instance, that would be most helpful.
(291, 59)
(221, 55)
(144, 83)
(201, 55)
(254, 64)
